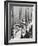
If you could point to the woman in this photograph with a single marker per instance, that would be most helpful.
(17, 32)
(29, 31)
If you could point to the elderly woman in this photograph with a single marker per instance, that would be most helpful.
(23, 32)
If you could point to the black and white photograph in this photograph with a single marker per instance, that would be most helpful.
(20, 22)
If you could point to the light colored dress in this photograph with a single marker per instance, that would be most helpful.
(17, 33)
